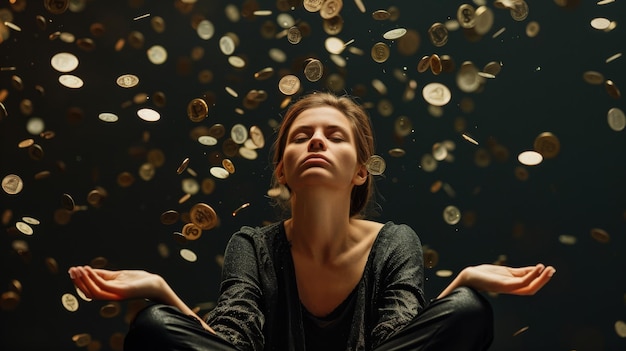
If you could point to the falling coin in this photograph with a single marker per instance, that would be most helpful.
(197, 110)
(64, 62)
(191, 231)
(436, 94)
(600, 235)
(24, 228)
(465, 16)
(110, 310)
(169, 217)
(12, 184)
(438, 34)
(313, 70)
(183, 166)
(289, 84)
(451, 215)
(239, 133)
(203, 216)
(67, 202)
(70, 302)
(380, 52)
(547, 144)
(127, 80)
(376, 165)
(616, 119)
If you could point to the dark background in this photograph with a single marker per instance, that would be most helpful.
(539, 89)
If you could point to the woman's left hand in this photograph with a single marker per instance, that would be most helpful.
(501, 279)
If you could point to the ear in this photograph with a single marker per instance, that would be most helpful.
(361, 175)
(279, 173)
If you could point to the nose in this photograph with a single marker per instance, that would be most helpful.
(317, 142)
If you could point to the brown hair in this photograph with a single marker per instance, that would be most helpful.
(361, 128)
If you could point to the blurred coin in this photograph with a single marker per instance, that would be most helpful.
(397, 152)
(207, 140)
(256, 134)
(380, 52)
(428, 163)
(70, 302)
(248, 154)
(9, 300)
(230, 147)
(81, 340)
(376, 165)
(110, 310)
(227, 45)
(483, 20)
(239, 133)
(519, 11)
(493, 68)
(157, 54)
(331, 8)
(567, 239)
(436, 94)
(431, 258)
(465, 16)
(191, 232)
(600, 235)
(228, 165)
(409, 43)
(313, 70)
(197, 110)
(438, 34)
(264, 73)
(620, 327)
(403, 126)
(334, 45)
(616, 119)
(95, 197)
(467, 78)
(56, 7)
(313, 5)
(127, 80)
(203, 216)
(532, 29)
(146, 171)
(169, 217)
(67, 202)
(451, 215)
(148, 115)
(12, 184)
(207, 186)
(289, 84)
(394, 34)
(205, 29)
(236, 61)
(217, 131)
(593, 77)
(612, 89)
(547, 144)
(64, 62)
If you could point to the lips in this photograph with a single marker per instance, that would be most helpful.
(315, 158)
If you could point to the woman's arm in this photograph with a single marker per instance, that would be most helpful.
(502, 279)
(103, 284)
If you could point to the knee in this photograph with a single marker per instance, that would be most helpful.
(153, 321)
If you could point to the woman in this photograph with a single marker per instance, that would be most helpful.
(323, 278)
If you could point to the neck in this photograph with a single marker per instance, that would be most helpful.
(320, 224)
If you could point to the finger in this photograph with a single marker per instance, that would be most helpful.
(522, 271)
(536, 284)
(106, 274)
(96, 291)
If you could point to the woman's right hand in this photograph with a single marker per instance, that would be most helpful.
(103, 284)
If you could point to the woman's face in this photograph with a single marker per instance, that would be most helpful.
(320, 149)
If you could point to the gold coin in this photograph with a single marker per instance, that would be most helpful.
(532, 29)
(191, 232)
(127, 80)
(313, 5)
(12, 184)
(53, 266)
(465, 16)
(207, 186)
(436, 94)
(403, 126)
(183, 166)
(447, 63)
(228, 165)
(438, 34)
(381, 15)
(294, 36)
(451, 215)
(331, 8)
(397, 152)
(483, 19)
(376, 165)
(9, 300)
(616, 119)
(110, 310)
(203, 216)
(217, 131)
(95, 197)
(424, 64)
(35, 152)
(313, 70)
(67, 202)
(81, 340)
(519, 11)
(600, 235)
(169, 217)
(593, 77)
(197, 110)
(547, 144)
(380, 52)
(467, 78)
(431, 258)
(395, 33)
(435, 64)
(612, 89)
(256, 135)
(289, 85)
(56, 7)
(70, 302)
(264, 73)
(409, 43)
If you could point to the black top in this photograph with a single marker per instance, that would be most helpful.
(259, 307)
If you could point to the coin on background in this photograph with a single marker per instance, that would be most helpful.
(593, 77)
(203, 216)
(127, 80)
(197, 110)
(465, 16)
(12, 184)
(451, 215)
(313, 70)
(438, 34)
(380, 52)
(289, 84)
(239, 133)
(191, 231)
(436, 94)
(70, 302)
(376, 165)
(547, 144)
(616, 119)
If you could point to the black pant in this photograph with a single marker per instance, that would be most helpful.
(460, 321)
